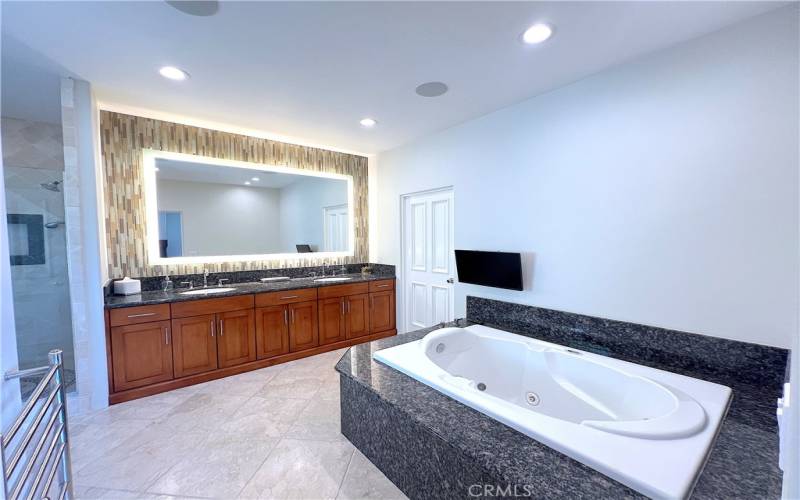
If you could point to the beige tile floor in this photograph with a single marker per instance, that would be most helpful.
(271, 433)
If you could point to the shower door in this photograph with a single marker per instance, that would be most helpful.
(40, 283)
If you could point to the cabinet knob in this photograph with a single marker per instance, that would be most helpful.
(166, 336)
(212, 327)
(286, 316)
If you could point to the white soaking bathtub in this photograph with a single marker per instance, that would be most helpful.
(648, 429)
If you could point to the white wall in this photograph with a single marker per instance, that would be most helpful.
(302, 204)
(221, 219)
(663, 191)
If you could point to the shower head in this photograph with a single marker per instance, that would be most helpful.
(51, 186)
(54, 224)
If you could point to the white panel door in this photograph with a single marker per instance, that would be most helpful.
(428, 259)
(335, 231)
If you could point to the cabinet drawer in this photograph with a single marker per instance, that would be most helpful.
(211, 306)
(285, 297)
(381, 286)
(138, 314)
(343, 290)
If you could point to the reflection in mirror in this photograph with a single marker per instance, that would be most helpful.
(207, 209)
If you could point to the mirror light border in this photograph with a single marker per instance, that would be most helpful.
(149, 157)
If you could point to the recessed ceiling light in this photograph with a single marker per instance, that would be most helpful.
(368, 122)
(431, 89)
(246, 183)
(255, 179)
(173, 73)
(537, 33)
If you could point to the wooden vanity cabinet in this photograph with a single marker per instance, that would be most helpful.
(332, 326)
(381, 306)
(194, 346)
(141, 354)
(156, 348)
(303, 329)
(285, 329)
(236, 338)
(286, 322)
(272, 331)
(213, 333)
(344, 314)
(357, 315)
(381, 311)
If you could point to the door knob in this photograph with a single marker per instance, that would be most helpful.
(450, 280)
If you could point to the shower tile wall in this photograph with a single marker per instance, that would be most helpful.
(32, 155)
(41, 291)
(32, 144)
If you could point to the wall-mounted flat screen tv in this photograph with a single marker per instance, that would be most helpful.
(495, 269)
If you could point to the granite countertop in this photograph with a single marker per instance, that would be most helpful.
(159, 297)
(742, 463)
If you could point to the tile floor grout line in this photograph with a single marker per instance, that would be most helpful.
(154, 481)
(255, 471)
(302, 377)
(344, 476)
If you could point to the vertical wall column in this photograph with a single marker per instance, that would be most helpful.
(84, 243)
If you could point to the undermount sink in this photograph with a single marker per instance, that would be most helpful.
(207, 291)
(337, 278)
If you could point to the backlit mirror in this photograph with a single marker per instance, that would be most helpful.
(205, 210)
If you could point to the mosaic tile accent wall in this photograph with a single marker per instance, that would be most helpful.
(122, 138)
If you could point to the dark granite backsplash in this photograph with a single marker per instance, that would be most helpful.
(728, 362)
(154, 283)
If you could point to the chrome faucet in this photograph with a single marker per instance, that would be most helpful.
(205, 278)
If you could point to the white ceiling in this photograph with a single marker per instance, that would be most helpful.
(312, 70)
(186, 171)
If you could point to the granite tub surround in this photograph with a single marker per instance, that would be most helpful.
(724, 361)
(430, 445)
(244, 282)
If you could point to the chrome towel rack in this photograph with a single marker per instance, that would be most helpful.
(35, 449)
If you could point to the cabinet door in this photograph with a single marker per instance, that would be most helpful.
(331, 320)
(382, 311)
(141, 354)
(272, 331)
(357, 315)
(236, 337)
(194, 344)
(303, 333)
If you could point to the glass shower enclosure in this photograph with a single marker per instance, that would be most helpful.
(39, 278)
